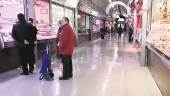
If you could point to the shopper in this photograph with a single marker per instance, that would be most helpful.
(66, 48)
(57, 38)
(25, 35)
(120, 31)
(102, 32)
(31, 59)
(130, 32)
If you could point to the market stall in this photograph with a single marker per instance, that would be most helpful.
(8, 52)
(158, 44)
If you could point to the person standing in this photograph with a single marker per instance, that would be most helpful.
(120, 31)
(25, 35)
(130, 32)
(31, 46)
(57, 38)
(66, 48)
(102, 31)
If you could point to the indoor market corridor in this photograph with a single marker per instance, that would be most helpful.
(101, 68)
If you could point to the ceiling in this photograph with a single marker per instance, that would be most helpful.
(102, 4)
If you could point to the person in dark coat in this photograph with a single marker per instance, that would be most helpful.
(102, 32)
(120, 31)
(25, 36)
(66, 48)
(130, 33)
(31, 59)
(57, 39)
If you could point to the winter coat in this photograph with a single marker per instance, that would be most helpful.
(66, 40)
(24, 31)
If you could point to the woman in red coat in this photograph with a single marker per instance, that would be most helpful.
(66, 48)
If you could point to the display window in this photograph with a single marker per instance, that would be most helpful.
(9, 18)
(70, 14)
(82, 24)
(159, 37)
(57, 15)
(97, 24)
(70, 3)
(43, 20)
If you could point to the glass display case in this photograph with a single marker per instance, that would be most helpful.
(9, 18)
(159, 36)
(43, 21)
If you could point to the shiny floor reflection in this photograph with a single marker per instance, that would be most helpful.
(101, 68)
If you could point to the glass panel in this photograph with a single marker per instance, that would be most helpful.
(70, 14)
(96, 24)
(8, 16)
(87, 22)
(43, 21)
(57, 14)
(82, 24)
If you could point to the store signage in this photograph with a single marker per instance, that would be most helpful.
(85, 8)
(69, 3)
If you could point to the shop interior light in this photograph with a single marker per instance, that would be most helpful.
(78, 16)
(112, 4)
(97, 22)
(121, 19)
(94, 13)
(72, 3)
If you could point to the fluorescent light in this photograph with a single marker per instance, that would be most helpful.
(94, 13)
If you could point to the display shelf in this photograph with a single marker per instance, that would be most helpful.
(161, 55)
(159, 37)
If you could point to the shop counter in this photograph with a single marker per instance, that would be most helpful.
(9, 58)
(159, 66)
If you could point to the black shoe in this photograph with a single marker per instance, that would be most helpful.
(63, 78)
(71, 76)
(31, 72)
(24, 73)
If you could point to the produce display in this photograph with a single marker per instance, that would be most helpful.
(159, 37)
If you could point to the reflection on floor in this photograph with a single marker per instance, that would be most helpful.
(101, 68)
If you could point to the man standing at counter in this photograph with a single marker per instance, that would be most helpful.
(25, 35)
(66, 48)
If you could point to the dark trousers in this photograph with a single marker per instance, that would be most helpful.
(102, 36)
(67, 65)
(119, 36)
(27, 57)
(31, 59)
(130, 36)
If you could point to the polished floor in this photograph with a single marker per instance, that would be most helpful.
(101, 68)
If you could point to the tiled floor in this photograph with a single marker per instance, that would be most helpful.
(101, 68)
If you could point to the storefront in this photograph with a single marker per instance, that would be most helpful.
(45, 14)
(98, 23)
(89, 24)
(84, 31)
(158, 44)
(8, 52)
